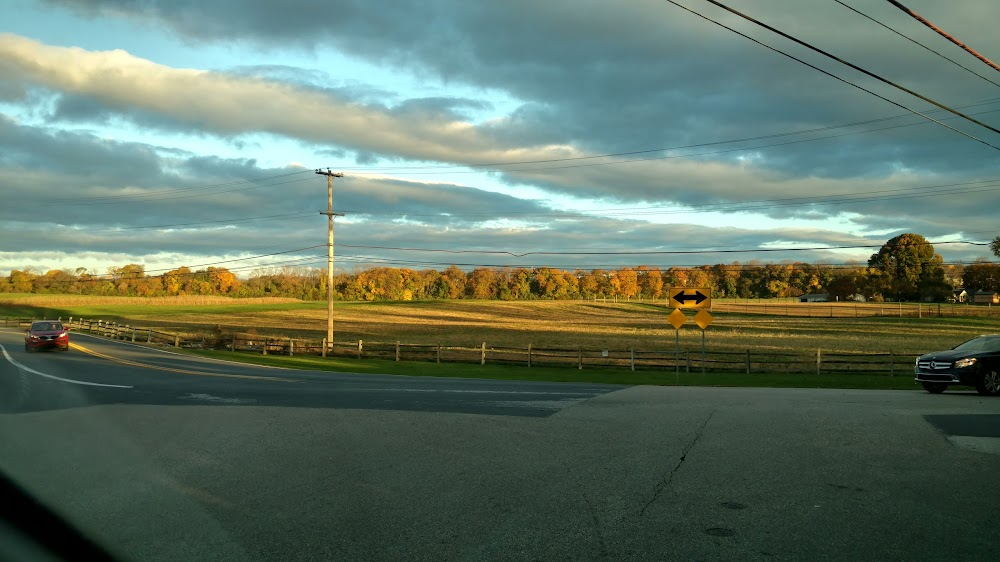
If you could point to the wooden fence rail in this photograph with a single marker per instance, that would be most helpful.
(746, 361)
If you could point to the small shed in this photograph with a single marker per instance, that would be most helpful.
(815, 297)
(960, 295)
(986, 297)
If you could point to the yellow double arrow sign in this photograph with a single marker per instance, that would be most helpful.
(685, 297)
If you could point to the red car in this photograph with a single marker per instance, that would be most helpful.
(46, 334)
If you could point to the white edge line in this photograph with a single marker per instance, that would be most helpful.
(53, 377)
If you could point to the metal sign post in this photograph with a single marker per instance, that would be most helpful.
(685, 297)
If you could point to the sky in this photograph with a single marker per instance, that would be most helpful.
(565, 133)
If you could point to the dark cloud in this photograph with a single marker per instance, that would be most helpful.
(589, 78)
(607, 77)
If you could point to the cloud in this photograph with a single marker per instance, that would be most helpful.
(538, 82)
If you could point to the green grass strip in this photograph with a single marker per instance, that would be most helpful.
(557, 374)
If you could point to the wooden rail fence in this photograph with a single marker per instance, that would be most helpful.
(745, 361)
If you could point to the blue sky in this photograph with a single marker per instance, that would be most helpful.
(571, 134)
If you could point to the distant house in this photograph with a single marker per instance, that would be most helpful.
(815, 297)
(857, 297)
(986, 297)
(959, 295)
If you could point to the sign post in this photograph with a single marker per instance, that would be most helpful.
(678, 298)
(677, 319)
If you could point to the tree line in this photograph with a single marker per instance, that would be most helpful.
(906, 268)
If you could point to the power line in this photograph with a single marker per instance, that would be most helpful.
(204, 223)
(376, 261)
(867, 196)
(941, 32)
(844, 80)
(914, 41)
(854, 66)
(676, 156)
(463, 169)
(641, 252)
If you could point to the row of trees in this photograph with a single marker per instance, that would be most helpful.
(905, 268)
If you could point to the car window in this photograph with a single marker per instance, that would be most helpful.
(980, 344)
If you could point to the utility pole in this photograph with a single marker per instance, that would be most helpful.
(329, 253)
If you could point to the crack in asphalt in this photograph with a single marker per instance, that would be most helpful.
(665, 482)
(597, 528)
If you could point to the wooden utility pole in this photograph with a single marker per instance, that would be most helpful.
(329, 252)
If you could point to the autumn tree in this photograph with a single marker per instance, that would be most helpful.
(481, 283)
(222, 280)
(982, 276)
(173, 280)
(907, 268)
(625, 283)
(650, 282)
(22, 281)
(846, 285)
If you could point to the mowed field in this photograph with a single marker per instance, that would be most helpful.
(552, 324)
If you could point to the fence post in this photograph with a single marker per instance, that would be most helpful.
(819, 359)
(892, 364)
(748, 361)
(177, 341)
(264, 349)
(323, 353)
(291, 347)
(632, 358)
(149, 335)
(360, 344)
(234, 343)
(438, 357)
(529, 355)
(920, 313)
(580, 359)
(133, 335)
(483, 360)
(397, 350)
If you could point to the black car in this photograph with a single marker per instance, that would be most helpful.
(973, 363)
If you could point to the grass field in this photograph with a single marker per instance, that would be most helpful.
(563, 374)
(553, 324)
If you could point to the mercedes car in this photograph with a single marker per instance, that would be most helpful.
(46, 334)
(973, 363)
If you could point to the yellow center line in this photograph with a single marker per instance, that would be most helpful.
(79, 347)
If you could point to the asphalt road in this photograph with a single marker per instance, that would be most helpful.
(165, 457)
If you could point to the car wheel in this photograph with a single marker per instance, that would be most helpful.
(990, 384)
(64, 348)
(935, 387)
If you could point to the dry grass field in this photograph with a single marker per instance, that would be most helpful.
(543, 324)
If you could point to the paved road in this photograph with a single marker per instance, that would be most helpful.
(265, 464)
(98, 371)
